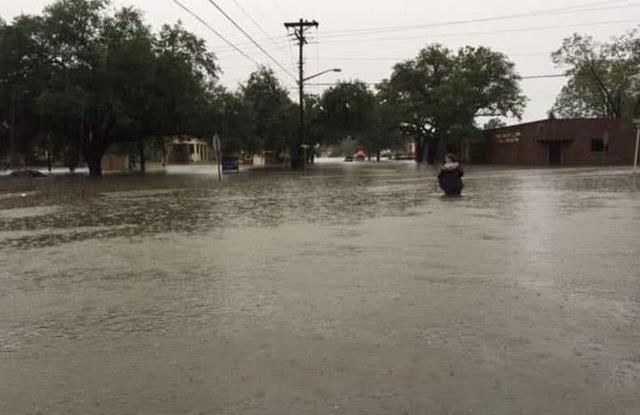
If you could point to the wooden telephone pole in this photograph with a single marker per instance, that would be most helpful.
(299, 29)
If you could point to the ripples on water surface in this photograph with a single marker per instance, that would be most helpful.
(353, 289)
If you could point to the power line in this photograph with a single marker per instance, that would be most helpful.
(582, 8)
(349, 58)
(557, 11)
(287, 43)
(338, 83)
(545, 76)
(251, 38)
(283, 39)
(558, 75)
(260, 28)
(399, 59)
(208, 26)
(492, 32)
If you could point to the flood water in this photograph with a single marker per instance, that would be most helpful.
(355, 289)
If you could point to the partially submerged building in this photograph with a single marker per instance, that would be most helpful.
(189, 150)
(562, 142)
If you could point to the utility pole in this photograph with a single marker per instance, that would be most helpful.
(299, 29)
(637, 152)
(12, 136)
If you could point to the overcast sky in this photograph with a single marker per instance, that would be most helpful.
(369, 55)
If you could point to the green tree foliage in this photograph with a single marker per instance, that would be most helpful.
(21, 72)
(349, 110)
(314, 120)
(271, 110)
(440, 94)
(234, 119)
(352, 109)
(604, 78)
(494, 123)
(89, 77)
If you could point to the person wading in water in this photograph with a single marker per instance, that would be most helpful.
(450, 176)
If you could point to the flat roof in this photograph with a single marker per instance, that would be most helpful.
(547, 120)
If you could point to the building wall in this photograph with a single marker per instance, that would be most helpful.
(115, 162)
(515, 145)
(528, 144)
(190, 151)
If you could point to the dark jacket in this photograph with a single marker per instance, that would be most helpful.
(450, 179)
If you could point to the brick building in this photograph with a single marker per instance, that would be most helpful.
(572, 142)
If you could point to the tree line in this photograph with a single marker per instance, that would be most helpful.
(81, 78)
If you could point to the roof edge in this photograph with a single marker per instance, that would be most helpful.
(547, 120)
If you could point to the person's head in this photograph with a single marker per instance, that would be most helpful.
(451, 158)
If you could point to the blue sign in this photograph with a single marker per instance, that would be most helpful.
(230, 164)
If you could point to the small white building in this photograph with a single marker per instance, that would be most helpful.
(189, 150)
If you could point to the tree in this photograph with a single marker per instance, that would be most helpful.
(604, 78)
(94, 77)
(234, 120)
(494, 123)
(184, 82)
(273, 111)
(21, 72)
(440, 91)
(316, 131)
(348, 109)
(351, 109)
(385, 131)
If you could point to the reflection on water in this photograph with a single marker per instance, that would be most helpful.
(354, 288)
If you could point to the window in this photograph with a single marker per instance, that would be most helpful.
(598, 146)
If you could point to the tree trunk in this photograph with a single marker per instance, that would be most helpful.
(143, 164)
(378, 156)
(165, 155)
(432, 152)
(49, 155)
(419, 150)
(297, 158)
(73, 157)
(94, 161)
(93, 156)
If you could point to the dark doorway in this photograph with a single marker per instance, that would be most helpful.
(555, 153)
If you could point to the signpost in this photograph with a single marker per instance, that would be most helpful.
(217, 148)
(635, 159)
(305, 147)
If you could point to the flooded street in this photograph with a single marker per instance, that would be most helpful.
(355, 289)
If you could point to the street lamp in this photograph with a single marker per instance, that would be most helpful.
(321, 73)
(296, 149)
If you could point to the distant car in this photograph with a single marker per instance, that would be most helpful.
(359, 157)
(348, 158)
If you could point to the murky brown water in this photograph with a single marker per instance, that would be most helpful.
(353, 290)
